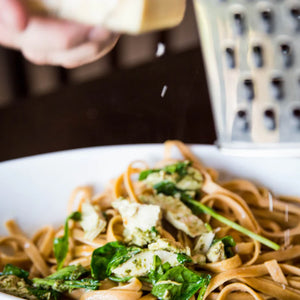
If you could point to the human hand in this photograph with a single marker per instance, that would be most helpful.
(50, 41)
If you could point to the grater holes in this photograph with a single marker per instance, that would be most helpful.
(248, 89)
(242, 122)
(296, 112)
(277, 87)
(258, 58)
(267, 20)
(286, 54)
(239, 22)
(295, 13)
(296, 117)
(230, 57)
(270, 119)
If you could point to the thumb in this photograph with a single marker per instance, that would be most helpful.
(13, 15)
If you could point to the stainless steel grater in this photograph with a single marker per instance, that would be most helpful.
(252, 55)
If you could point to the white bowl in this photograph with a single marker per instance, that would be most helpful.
(35, 190)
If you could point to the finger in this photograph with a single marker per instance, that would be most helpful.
(13, 15)
(75, 57)
(49, 34)
(9, 38)
(84, 54)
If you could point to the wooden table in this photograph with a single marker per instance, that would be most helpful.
(123, 108)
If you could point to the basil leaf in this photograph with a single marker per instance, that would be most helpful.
(183, 258)
(61, 244)
(180, 283)
(10, 269)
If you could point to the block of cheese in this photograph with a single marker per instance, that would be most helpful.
(126, 16)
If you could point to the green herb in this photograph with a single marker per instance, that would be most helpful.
(198, 208)
(169, 188)
(180, 283)
(183, 258)
(108, 257)
(13, 270)
(61, 244)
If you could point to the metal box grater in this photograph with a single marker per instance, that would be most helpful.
(252, 56)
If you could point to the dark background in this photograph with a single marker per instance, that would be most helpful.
(117, 100)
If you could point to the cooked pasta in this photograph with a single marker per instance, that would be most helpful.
(171, 232)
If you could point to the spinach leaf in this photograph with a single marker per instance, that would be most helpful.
(108, 257)
(51, 287)
(65, 285)
(22, 287)
(228, 242)
(121, 256)
(167, 188)
(10, 269)
(183, 258)
(180, 283)
(69, 273)
(101, 258)
(157, 269)
(61, 244)
(66, 279)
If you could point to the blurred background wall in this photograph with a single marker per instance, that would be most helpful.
(20, 79)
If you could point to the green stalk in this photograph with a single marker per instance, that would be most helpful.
(233, 225)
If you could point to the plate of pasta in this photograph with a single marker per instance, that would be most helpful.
(147, 222)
